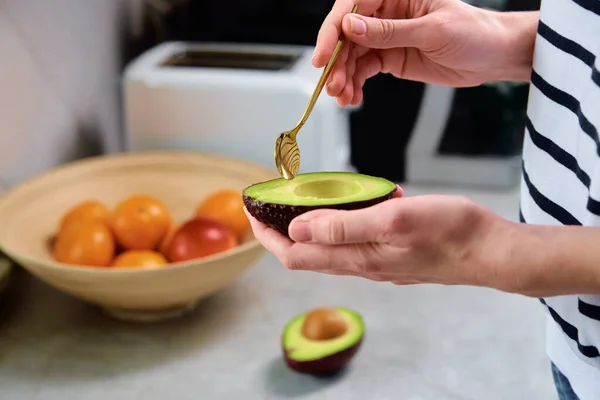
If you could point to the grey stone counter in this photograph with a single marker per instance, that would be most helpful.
(422, 342)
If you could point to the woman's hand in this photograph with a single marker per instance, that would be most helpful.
(445, 42)
(422, 239)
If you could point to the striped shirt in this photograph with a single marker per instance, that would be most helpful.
(561, 168)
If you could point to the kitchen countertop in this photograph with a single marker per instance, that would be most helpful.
(422, 343)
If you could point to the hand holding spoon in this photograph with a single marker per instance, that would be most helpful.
(287, 152)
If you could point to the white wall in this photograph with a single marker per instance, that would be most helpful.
(59, 82)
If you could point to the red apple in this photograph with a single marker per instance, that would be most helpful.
(200, 237)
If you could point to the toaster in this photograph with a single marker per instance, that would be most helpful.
(232, 99)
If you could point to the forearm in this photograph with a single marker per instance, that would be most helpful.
(545, 261)
(516, 41)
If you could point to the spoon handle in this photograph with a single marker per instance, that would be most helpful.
(321, 83)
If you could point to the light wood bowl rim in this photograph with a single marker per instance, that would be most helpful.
(25, 260)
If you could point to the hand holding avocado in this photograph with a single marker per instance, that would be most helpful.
(421, 239)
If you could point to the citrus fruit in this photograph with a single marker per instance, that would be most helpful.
(139, 259)
(226, 206)
(140, 222)
(90, 209)
(84, 242)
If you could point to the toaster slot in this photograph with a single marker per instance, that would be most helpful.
(229, 59)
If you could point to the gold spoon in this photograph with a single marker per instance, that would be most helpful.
(287, 152)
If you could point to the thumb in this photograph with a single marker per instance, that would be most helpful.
(380, 33)
(336, 227)
(326, 226)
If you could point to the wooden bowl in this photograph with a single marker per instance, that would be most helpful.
(30, 213)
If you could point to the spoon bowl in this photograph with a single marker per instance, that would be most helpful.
(287, 154)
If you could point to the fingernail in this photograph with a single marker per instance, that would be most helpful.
(357, 26)
(300, 231)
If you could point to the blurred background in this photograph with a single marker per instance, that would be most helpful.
(89, 77)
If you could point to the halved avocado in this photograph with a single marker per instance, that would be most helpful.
(322, 341)
(277, 202)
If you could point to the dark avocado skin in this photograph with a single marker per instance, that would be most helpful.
(279, 216)
(328, 365)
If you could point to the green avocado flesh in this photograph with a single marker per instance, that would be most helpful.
(277, 202)
(320, 189)
(301, 349)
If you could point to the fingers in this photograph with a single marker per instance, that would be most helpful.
(332, 27)
(344, 260)
(321, 258)
(329, 32)
(379, 277)
(339, 260)
(348, 76)
(406, 282)
(338, 227)
(367, 66)
(347, 92)
(399, 192)
(299, 256)
(379, 33)
(339, 74)
(326, 226)
(340, 266)
(376, 277)
(272, 240)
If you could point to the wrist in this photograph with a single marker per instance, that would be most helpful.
(492, 249)
(496, 253)
(516, 33)
(546, 261)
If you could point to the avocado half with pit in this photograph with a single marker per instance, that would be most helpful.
(322, 341)
(277, 202)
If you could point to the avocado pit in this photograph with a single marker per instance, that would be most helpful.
(324, 324)
(277, 202)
